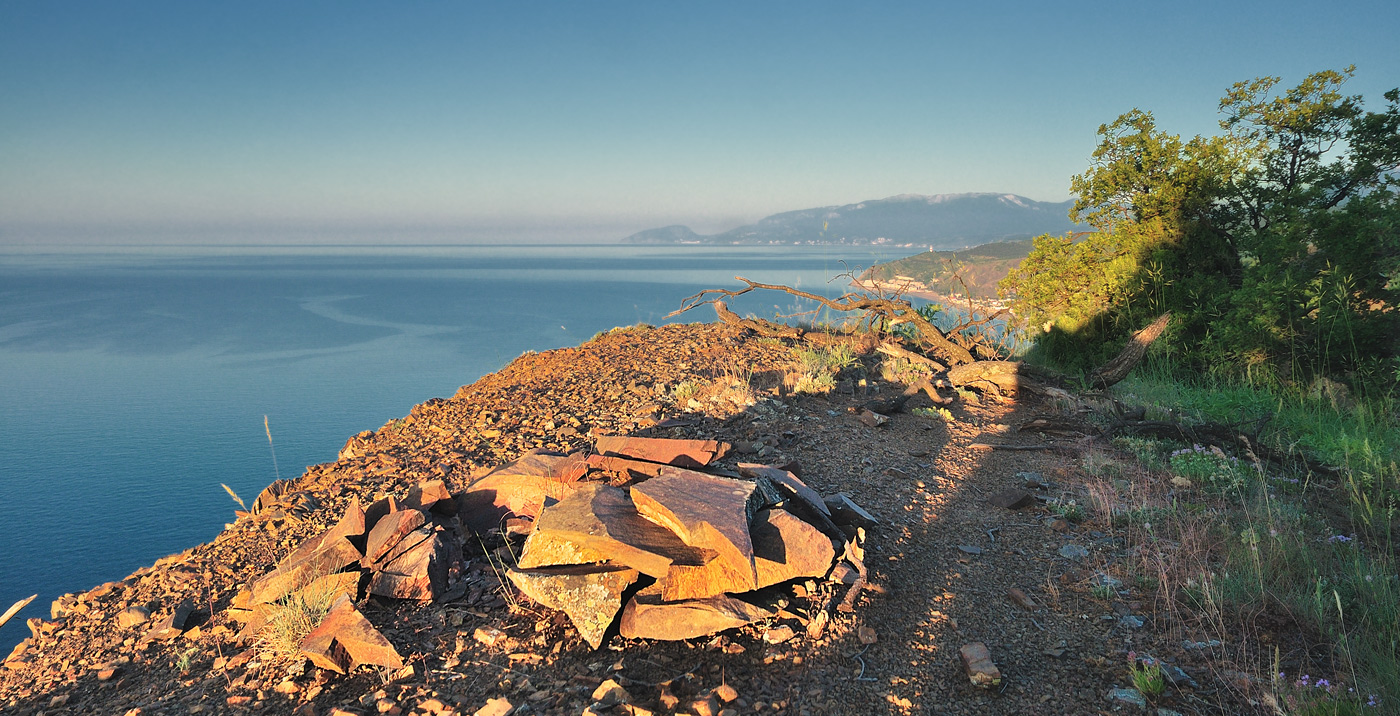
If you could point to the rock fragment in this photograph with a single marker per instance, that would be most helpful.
(680, 453)
(786, 547)
(647, 617)
(599, 523)
(345, 639)
(706, 512)
(590, 595)
(1012, 499)
(977, 662)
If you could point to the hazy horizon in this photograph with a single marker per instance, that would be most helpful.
(441, 123)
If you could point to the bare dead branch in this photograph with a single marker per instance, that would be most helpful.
(893, 311)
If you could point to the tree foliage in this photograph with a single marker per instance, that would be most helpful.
(1275, 243)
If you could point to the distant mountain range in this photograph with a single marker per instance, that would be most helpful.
(941, 221)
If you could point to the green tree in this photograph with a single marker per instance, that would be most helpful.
(1275, 243)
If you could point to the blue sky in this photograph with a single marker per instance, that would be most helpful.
(343, 121)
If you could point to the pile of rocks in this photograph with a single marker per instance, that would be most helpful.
(644, 535)
(398, 549)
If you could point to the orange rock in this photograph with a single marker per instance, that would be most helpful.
(681, 453)
(489, 500)
(388, 532)
(346, 639)
(786, 547)
(431, 496)
(417, 571)
(599, 523)
(633, 469)
(646, 616)
(707, 512)
(300, 569)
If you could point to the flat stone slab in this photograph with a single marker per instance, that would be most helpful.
(599, 523)
(646, 616)
(589, 595)
(491, 499)
(708, 512)
(785, 547)
(346, 639)
(563, 468)
(292, 575)
(680, 453)
(845, 511)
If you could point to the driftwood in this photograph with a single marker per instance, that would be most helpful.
(14, 609)
(1242, 437)
(1117, 369)
(892, 312)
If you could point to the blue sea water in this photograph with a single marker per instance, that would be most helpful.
(134, 381)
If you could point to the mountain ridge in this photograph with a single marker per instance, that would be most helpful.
(940, 221)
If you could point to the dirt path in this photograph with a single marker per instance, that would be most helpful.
(942, 562)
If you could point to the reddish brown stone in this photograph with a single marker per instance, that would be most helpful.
(646, 616)
(1013, 499)
(977, 662)
(293, 574)
(707, 512)
(785, 547)
(844, 511)
(564, 468)
(417, 571)
(633, 469)
(431, 496)
(599, 523)
(346, 639)
(489, 500)
(350, 526)
(392, 528)
(590, 595)
(681, 453)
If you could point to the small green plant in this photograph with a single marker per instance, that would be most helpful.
(186, 660)
(815, 384)
(684, 391)
(941, 413)
(1147, 451)
(1103, 591)
(1147, 675)
(1209, 467)
(1070, 511)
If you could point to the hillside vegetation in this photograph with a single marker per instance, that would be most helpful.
(975, 271)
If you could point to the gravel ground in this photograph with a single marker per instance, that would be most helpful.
(942, 562)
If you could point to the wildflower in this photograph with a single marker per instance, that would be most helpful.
(1338, 538)
(1369, 577)
(1273, 532)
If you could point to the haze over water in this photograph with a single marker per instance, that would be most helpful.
(134, 382)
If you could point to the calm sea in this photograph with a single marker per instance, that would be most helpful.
(133, 382)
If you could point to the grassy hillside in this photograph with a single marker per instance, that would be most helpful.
(980, 267)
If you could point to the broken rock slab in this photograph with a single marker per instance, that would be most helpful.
(786, 547)
(388, 532)
(346, 639)
(415, 569)
(977, 662)
(646, 616)
(1012, 499)
(680, 453)
(599, 523)
(844, 511)
(491, 499)
(299, 570)
(707, 512)
(590, 595)
(431, 496)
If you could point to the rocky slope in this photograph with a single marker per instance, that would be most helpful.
(954, 540)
